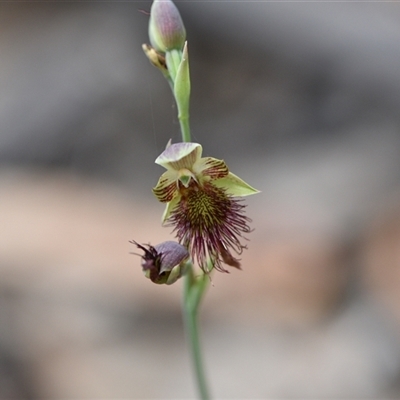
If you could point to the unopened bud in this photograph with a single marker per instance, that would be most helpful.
(166, 29)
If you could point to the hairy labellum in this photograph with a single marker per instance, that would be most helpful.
(209, 223)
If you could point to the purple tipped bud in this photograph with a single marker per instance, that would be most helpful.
(164, 262)
(166, 29)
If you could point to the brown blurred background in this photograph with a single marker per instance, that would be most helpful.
(302, 101)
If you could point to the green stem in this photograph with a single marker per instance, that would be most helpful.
(185, 128)
(194, 289)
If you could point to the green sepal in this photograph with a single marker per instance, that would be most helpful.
(169, 208)
(235, 186)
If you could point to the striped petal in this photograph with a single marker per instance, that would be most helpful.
(167, 187)
(211, 167)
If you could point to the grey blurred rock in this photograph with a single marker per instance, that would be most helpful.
(300, 99)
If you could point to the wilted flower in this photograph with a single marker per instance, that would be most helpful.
(201, 205)
(158, 60)
(166, 29)
(164, 262)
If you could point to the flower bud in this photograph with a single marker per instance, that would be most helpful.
(166, 29)
(163, 263)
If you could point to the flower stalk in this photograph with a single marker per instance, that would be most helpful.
(200, 193)
(169, 53)
(193, 292)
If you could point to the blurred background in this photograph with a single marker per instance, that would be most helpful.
(301, 99)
